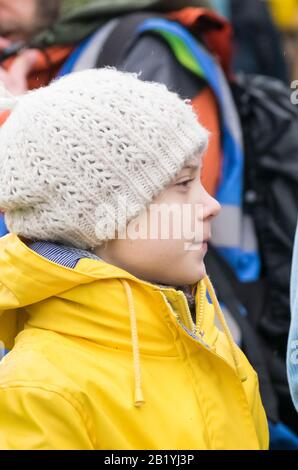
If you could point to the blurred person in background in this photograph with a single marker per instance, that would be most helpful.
(258, 44)
(20, 22)
(285, 15)
(23, 19)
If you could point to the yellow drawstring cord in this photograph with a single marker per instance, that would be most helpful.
(239, 368)
(139, 399)
(204, 285)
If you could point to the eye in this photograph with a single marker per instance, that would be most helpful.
(185, 183)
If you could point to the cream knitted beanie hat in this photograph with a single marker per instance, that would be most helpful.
(74, 152)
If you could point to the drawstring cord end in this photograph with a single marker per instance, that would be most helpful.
(241, 373)
(139, 399)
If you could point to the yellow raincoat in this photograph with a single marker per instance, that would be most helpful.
(104, 360)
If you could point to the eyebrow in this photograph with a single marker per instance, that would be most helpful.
(191, 167)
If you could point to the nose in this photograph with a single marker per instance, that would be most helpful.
(211, 206)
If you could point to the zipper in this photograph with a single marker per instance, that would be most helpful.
(210, 349)
(188, 328)
(185, 313)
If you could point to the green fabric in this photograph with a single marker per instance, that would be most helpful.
(80, 18)
(106, 6)
(68, 6)
(182, 53)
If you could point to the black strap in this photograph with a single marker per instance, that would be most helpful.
(223, 279)
(120, 40)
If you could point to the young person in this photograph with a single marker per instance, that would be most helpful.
(108, 351)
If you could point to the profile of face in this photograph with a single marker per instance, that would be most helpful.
(175, 242)
(20, 19)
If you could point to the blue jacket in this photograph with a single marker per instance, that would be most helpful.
(292, 357)
(3, 229)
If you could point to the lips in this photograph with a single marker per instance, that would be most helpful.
(200, 241)
(201, 248)
(199, 244)
(205, 246)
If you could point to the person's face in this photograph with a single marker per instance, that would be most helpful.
(175, 245)
(16, 18)
(20, 19)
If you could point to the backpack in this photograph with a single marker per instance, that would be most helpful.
(270, 129)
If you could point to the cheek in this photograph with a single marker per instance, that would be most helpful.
(157, 252)
(155, 259)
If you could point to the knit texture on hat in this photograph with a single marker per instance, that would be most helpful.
(74, 152)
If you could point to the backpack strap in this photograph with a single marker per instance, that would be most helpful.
(123, 34)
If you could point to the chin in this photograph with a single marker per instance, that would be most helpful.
(198, 274)
(192, 276)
